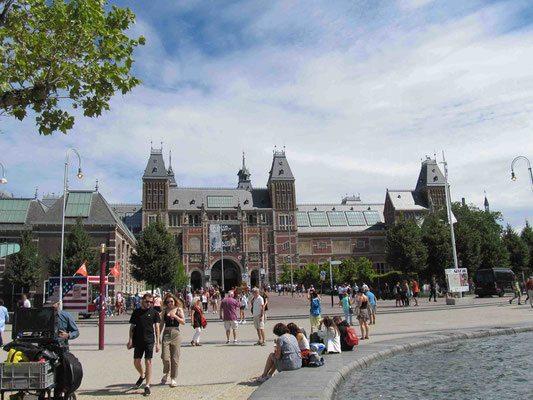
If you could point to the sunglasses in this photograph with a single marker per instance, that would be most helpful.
(148, 301)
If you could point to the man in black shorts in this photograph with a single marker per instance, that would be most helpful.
(144, 321)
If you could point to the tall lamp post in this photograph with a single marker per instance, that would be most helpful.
(513, 176)
(331, 276)
(65, 189)
(3, 180)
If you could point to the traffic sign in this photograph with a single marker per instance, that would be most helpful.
(244, 277)
(322, 275)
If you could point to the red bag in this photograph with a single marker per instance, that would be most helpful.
(351, 338)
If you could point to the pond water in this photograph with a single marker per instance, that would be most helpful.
(496, 367)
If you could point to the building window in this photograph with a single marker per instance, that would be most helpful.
(360, 244)
(152, 219)
(286, 246)
(284, 222)
(174, 220)
(322, 245)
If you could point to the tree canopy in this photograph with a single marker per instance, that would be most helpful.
(79, 247)
(404, 248)
(23, 269)
(59, 52)
(437, 240)
(517, 249)
(156, 258)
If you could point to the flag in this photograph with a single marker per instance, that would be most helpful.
(74, 292)
(82, 270)
(115, 271)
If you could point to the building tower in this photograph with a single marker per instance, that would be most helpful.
(486, 203)
(430, 187)
(244, 177)
(281, 187)
(156, 182)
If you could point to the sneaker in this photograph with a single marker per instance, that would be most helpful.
(510, 301)
(243, 321)
(164, 379)
(173, 383)
(147, 391)
(139, 381)
(235, 341)
(227, 342)
(262, 379)
(263, 344)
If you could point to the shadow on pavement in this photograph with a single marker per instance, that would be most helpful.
(121, 389)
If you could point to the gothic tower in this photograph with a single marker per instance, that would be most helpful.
(156, 182)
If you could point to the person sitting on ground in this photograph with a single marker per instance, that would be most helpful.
(303, 343)
(286, 355)
(342, 325)
(331, 335)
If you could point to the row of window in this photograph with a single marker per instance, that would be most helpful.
(337, 218)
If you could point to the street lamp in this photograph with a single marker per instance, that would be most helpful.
(513, 176)
(331, 276)
(4, 179)
(65, 188)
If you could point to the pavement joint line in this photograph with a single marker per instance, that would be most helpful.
(392, 347)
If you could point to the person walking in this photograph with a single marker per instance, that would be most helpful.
(415, 290)
(315, 309)
(433, 290)
(171, 318)
(144, 322)
(347, 307)
(243, 300)
(373, 303)
(26, 303)
(4, 319)
(529, 288)
(258, 313)
(196, 321)
(228, 313)
(516, 290)
(214, 301)
(205, 299)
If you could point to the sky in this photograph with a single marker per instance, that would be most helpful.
(358, 93)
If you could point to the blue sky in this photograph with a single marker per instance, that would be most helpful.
(359, 92)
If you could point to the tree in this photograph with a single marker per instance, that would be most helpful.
(437, 240)
(24, 268)
(180, 277)
(365, 272)
(156, 258)
(527, 237)
(404, 249)
(517, 249)
(78, 248)
(55, 52)
(348, 270)
(478, 237)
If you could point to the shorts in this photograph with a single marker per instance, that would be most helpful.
(415, 294)
(242, 308)
(372, 310)
(143, 348)
(230, 325)
(258, 323)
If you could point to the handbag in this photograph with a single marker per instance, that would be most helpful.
(351, 310)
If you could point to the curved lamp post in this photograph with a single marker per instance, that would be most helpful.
(65, 190)
(513, 176)
(3, 179)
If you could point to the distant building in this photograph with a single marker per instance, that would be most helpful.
(43, 218)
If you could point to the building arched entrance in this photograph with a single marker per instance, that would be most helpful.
(254, 278)
(196, 280)
(232, 274)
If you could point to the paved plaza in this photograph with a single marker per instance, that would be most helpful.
(220, 371)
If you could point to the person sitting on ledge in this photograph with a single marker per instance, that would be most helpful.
(342, 325)
(303, 343)
(331, 335)
(286, 355)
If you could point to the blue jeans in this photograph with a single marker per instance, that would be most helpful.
(348, 315)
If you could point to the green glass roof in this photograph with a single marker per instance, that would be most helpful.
(8, 248)
(219, 202)
(336, 218)
(372, 217)
(301, 218)
(14, 211)
(318, 218)
(355, 218)
(78, 204)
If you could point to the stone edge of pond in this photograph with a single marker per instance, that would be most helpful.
(322, 383)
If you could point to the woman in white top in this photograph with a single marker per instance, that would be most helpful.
(243, 302)
(303, 343)
(331, 335)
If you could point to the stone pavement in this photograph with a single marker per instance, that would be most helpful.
(220, 371)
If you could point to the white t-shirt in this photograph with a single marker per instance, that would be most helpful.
(27, 304)
(258, 304)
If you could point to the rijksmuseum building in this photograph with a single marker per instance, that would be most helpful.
(252, 232)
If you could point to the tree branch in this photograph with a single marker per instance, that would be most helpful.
(14, 98)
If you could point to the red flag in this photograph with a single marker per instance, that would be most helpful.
(115, 271)
(82, 270)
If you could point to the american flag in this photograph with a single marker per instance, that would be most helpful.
(74, 292)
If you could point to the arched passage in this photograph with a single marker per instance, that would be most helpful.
(196, 280)
(232, 274)
(254, 278)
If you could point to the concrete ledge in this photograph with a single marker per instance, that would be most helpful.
(322, 382)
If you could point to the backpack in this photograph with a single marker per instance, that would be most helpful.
(314, 360)
(315, 307)
(351, 338)
(69, 373)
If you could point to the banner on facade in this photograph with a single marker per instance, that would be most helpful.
(457, 280)
(225, 238)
